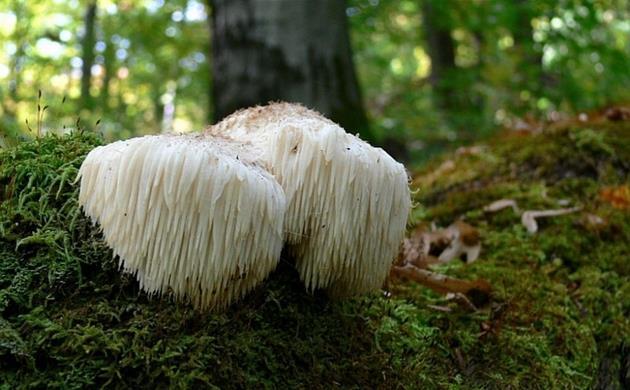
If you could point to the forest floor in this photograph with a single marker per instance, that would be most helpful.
(558, 315)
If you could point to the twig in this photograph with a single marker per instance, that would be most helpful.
(438, 282)
(528, 219)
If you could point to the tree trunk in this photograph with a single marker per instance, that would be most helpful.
(533, 76)
(109, 64)
(16, 62)
(441, 49)
(87, 47)
(158, 106)
(292, 50)
(524, 33)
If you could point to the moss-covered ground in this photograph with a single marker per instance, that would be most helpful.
(558, 316)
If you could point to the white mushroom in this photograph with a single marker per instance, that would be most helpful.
(189, 214)
(347, 202)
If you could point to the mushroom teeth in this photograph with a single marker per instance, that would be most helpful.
(347, 202)
(189, 215)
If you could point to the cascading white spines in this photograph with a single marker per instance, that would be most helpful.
(188, 214)
(347, 202)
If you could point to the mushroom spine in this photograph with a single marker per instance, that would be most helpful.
(347, 202)
(192, 215)
(205, 216)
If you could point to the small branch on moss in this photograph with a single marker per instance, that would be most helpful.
(528, 219)
(501, 204)
(438, 282)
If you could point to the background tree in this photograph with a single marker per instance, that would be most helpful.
(87, 49)
(293, 50)
(151, 59)
(441, 48)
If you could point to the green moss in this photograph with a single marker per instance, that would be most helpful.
(558, 317)
(566, 289)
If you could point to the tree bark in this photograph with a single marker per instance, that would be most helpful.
(441, 50)
(291, 50)
(533, 74)
(109, 64)
(87, 48)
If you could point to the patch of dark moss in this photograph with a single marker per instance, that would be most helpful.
(558, 316)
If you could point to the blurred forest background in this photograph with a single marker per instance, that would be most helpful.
(415, 76)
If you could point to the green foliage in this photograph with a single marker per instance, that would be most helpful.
(147, 54)
(558, 317)
(511, 59)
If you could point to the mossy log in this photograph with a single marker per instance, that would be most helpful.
(558, 316)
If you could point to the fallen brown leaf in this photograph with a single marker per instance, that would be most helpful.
(464, 239)
(618, 197)
(424, 248)
(617, 114)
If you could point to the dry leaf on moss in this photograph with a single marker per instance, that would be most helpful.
(424, 248)
(618, 197)
(464, 239)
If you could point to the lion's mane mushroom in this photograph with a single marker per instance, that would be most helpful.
(190, 214)
(347, 202)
